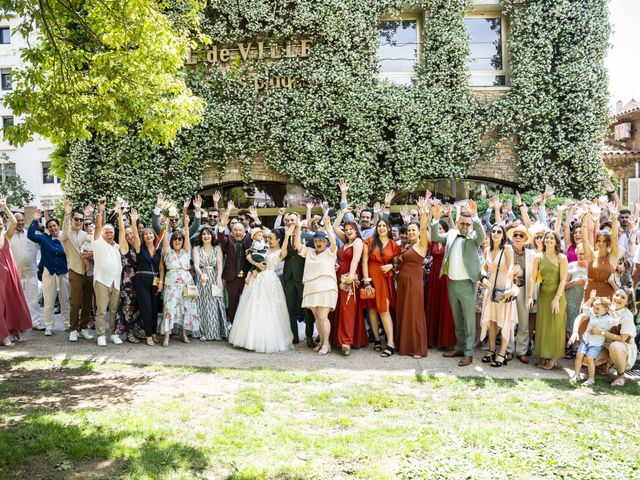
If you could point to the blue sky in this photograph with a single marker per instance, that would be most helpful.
(623, 60)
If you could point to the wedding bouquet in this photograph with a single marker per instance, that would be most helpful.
(168, 209)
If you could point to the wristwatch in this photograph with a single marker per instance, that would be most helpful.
(602, 332)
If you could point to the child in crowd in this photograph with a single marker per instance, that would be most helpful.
(257, 253)
(87, 247)
(597, 309)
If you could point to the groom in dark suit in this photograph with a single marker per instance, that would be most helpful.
(461, 264)
(235, 268)
(292, 278)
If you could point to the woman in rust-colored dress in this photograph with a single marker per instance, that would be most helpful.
(379, 254)
(347, 325)
(441, 330)
(601, 261)
(411, 324)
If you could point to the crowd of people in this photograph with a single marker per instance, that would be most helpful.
(544, 283)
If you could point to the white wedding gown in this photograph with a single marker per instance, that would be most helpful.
(262, 319)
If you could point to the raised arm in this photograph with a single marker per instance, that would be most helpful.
(217, 195)
(122, 240)
(423, 205)
(197, 215)
(615, 246)
(586, 245)
(187, 240)
(165, 238)
(100, 218)
(12, 220)
(567, 225)
(297, 240)
(278, 222)
(336, 225)
(477, 225)
(332, 239)
(155, 216)
(285, 242)
(436, 212)
(32, 231)
(66, 221)
(223, 240)
(134, 227)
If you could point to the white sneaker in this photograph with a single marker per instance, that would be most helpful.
(48, 332)
(73, 336)
(86, 334)
(589, 382)
(116, 340)
(102, 341)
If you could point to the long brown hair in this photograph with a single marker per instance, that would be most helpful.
(557, 237)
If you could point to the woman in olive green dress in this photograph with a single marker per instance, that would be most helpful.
(551, 316)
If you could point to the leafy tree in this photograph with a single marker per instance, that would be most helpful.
(93, 66)
(15, 189)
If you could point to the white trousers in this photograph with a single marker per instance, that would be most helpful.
(30, 288)
(52, 286)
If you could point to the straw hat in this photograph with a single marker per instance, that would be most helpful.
(521, 229)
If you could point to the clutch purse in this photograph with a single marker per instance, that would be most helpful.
(366, 295)
(500, 296)
(190, 291)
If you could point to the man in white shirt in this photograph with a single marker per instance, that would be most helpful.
(107, 274)
(25, 253)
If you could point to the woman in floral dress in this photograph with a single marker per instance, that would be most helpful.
(128, 316)
(175, 275)
(207, 260)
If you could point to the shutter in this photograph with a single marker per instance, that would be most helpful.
(633, 191)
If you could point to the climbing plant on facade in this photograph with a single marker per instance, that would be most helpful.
(338, 121)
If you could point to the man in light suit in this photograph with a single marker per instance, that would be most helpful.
(523, 265)
(461, 264)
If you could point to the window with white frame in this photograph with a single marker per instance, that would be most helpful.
(7, 170)
(5, 78)
(398, 48)
(487, 50)
(47, 177)
(5, 35)
(7, 121)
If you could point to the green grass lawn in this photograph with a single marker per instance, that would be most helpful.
(66, 419)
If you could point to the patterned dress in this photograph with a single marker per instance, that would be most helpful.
(213, 317)
(178, 310)
(128, 316)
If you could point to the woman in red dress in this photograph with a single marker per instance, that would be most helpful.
(14, 312)
(411, 324)
(440, 327)
(348, 329)
(378, 256)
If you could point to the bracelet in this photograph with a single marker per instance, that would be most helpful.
(520, 205)
(366, 279)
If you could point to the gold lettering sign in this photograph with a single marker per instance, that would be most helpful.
(224, 54)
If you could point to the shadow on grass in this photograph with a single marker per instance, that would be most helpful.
(602, 386)
(43, 446)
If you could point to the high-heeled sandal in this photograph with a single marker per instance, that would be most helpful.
(131, 338)
(377, 345)
(388, 351)
(325, 349)
(150, 342)
(497, 363)
(550, 365)
(489, 357)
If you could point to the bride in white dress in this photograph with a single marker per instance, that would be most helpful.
(262, 319)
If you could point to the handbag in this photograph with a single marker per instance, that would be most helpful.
(499, 295)
(365, 295)
(190, 291)
(614, 281)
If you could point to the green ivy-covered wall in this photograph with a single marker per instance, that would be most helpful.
(338, 121)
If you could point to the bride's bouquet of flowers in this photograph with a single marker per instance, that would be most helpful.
(168, 209)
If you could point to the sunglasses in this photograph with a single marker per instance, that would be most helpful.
(519, 235)
(178, 239)
(173, 219)
(496, 231)
(78, 219)
(465, 224)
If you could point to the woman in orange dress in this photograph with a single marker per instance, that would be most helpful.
(411, 322)
(602, 262)
(379, 255)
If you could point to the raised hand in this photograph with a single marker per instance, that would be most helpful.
(282, 211)
(388, 198)
(134, 217)
(102, 201)
(217, 195)
(186, 203)
(117, 207)
(68, 207)
(253, 213)
(518, 198)
(230, 205)
(343, 184)
(496, 203)
(37, 214)
(186, 222)
(88, 210)
(325, 206)
(613, 210)
(326, 221)
(197, 203)
(160, 200)
(608, 185)
(473, 208)
(309, 205)
(224, 219)
(377, 208)
(436, 211)
(3, 201)
(447, 209)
